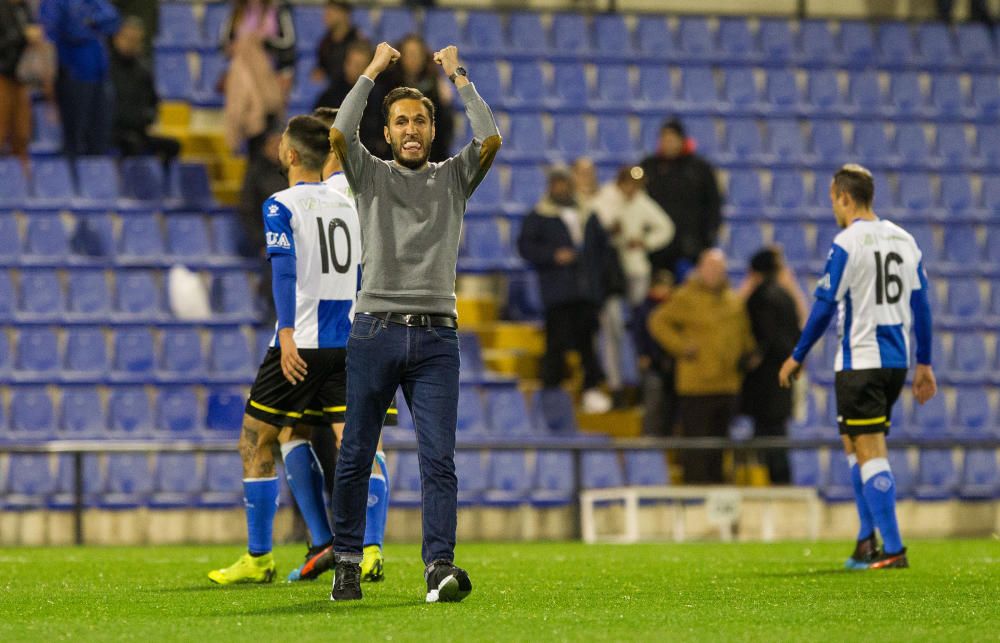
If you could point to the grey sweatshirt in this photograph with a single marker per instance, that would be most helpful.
(411, 220)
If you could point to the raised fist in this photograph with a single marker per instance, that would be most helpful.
(384, 57)
(448, 59)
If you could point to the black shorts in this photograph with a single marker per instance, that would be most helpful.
(865, 399)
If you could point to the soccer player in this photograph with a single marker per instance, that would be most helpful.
(875, 279)
(405, 332)
(314, 244)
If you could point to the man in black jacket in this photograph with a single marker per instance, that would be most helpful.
(684, 185)
(774, 320)
(570, 251)
(135, 96)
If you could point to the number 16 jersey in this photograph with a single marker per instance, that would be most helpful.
(871, 272)
(319, 227)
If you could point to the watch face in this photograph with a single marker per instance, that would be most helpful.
(460, 71)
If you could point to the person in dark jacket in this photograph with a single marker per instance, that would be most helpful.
(684, 185)
(569, 250)
(79, 29)
(659, 396)
(774, 320)
(332, 48)
(16, 32)
(371, 132)
(135, 96)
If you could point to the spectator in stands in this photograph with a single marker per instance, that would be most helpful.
(775, 322)
(417, 69)
(684, 185)
(371, 132)
(17, 31)
(705, 327)
(585, 181)
(332, 50)
(146, 10)
(79, 29)
(568, 248)
(259, 39)
(659, 397)
(979, 11)
(135, 96)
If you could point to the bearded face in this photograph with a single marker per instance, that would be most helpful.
(409, 132)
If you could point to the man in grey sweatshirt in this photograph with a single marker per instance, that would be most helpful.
(405, 329)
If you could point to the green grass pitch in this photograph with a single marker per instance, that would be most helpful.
(537, 592)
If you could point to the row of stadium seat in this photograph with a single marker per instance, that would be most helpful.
(102, 183)
(615, 37)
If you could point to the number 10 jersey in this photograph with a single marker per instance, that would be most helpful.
(319, 226)
(871, 272)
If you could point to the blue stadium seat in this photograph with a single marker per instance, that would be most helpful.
(570, 90)
(986, 97)
(699, 94)
(527, 139)
(173, 76)
(177, 480)
(787, 145)
(929, 420)
(838, 486)
(37, 354)
(82, 413)
(89, 296)
(45, 240)
(915, 196)
(310, 26)
(787, 195)
(912, 146)
(614, 91)
(744, 143)
(905, 96)
(230, 358)
(902, 472)
(134, 355)
(776, 42)
(47, 137)
(510, 481)
(823, 97)
(948, 101)
(524, 299)
(783, 97)
(980, 475)
(923, 234)
(406, 480)
(32, 413)
(141, 240)
(97, 178)
(483, 35)
(5, 368)
(488, 197)
(552, 412)
(29, 481)
(865, 94)
(525, 35)
(736, 45)
(957, 200)
(306, 89)
(471, 416)
(871, 145)
(993, 251)
(41, 296)
(817, 45)
(828, 145)
(129, 481)
(745, 194)
(13, 183)
(896, 48)
(190, 187)
(740, 95)
(612, 40)
(600, 470)
(792, 239)
(181, 358)
(52, 183)
(473, 367)
(484, 249)
(211, 26)
(527, 86)
(86, 355)
(441, 28)
(224, 414)
(646, 468)
(614, 141)
(570, 36)
(857, 43)
(974, 418)
(232, 297)
(223, 480)
(988, 145)
(805, 469)
(969, 359)
(654, 39)
(396, 22)
(187, 236)
(694, 39)
(527, 185)
(64, 495)
(975, 46)
(137, 296)
(953, 149)
(935, 47)
(962, 251)
(700, 130)
(937, 478)
(507, 413)
(227, 235)
(213, 69)
(555, 479)
(178, 28)
(489, 84)
(130, 411)
(745, 239)
(93, 238)
(569, 137)
(178, 412)
(473, 477)
(10, 252)
(142, 179)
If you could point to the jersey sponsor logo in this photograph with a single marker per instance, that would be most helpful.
(824, 282)
(882, 483)
(273, 210)
(276, 240)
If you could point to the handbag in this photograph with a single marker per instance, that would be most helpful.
(37, 65)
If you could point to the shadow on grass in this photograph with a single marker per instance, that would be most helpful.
(326, 606)
(806, 573)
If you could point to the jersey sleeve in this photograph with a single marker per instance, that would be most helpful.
(832, 285)
(278, 228)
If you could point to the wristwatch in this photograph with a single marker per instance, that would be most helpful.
(459, 71)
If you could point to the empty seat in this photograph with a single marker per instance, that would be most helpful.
(745, 239)
(614, 140)
(45, 238)
(88, 295)
(52, 183)
(37, 353)
(740, 91)
(182, 358)
(82, 413)
(916, 198)
(11, 250)
(818, 47)
(32, 414)
(190, 187)
(788, 192)
(783, 96)
(526, 35)
(41, 295)
(507, 413)
(555, 483)
(441, 28)
(871, 145)
(187, 236)
(129, 480)
(804, 465)
(654, 38)
(857, 43)
(13, 183)
(178, 27)
(483, 248)
(142, 179)
(611, 37)
(134, 354)
(698, 91)
(64, 496)
(98, 181)
(569, 85)
(947, 97)
(694, 38)
(570, 36)
(964, 304)
(975, 45)
(553, 413)
(614, 91)
(230, 355)
(743, 140)
(570, 136)
(141, 239)
(527, 185)
(969, 358)
(177, 478)
(828, 142)
(792, 239)
(986, 96)
(654, 91)
(137, 295)
(961, 246)
(745, 193)
(865, 94)
(129, 410)
(953, 146)
(483, 34)
(29, 481)
(173, 76)
(86, 354)
(510, 481)
(935, 46)
(838, 486)
(974, 419)
(600, 470)
(223, 480)
(646, 468)
(929, 420)
(735, 42)
(473, 477)
(912, 146)
(471, 418)
(895, 45)
(988, 144)
(231, 295)
(396, 22)
(936, 477)
(224, 413)
(701, 131)
(227, 235)
(980, 475)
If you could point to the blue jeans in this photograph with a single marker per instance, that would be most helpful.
(86, 109)
(424, 361)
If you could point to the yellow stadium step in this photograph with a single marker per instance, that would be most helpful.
(623, 423)
(477, 312)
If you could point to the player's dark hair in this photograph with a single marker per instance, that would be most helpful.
(857, 182)
(406, 93)
(326, 115)
(311, 139)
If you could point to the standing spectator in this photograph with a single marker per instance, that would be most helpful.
(146, 10)
(371, 132)
(79, 29)
(704, 325)
(416, 69)
(659, 396)
(568, 248)
(684, 185)
(332, 50)
(585, 181)
(774, 320)
(259, 39)
(17, 31)
(979, 11)
(135, 96)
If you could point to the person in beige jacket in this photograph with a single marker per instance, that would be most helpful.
(705, 326)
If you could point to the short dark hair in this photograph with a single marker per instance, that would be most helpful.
(340, 4)
(675, 124)
(326, 115)
(857, 182)
(311, 139)
(406, 93)
(767, 261)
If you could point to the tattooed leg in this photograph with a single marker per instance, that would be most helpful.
(257, 441)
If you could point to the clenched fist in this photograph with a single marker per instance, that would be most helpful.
(448, 59)
(384, 57)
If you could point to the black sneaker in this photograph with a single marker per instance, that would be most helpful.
(319, 560)
(865, 553)
(346, 582)
(446, 583)
(891, 561)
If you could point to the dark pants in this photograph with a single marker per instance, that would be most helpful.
(425, 362)
(86, 109)
(776, 460)
(978, 11)
(570, 327)
(138, 143)
(705, 416)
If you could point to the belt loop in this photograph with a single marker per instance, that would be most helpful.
(385, 322)
(428, 318)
